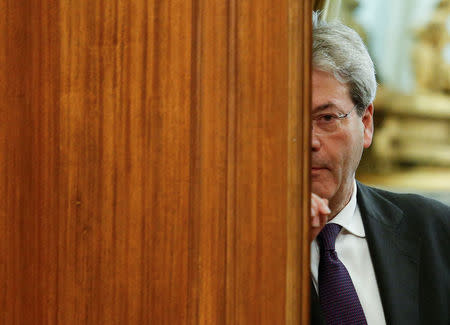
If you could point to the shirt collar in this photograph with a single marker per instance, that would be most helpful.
(350, 217)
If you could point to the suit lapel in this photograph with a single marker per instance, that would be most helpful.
(395, 256)
(316, 314)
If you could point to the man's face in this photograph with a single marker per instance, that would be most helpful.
(336, 155)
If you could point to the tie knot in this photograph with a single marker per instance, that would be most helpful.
(327, 237)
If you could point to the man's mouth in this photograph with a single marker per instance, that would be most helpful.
(318, 169)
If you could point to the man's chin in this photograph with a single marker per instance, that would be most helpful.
(324, 190)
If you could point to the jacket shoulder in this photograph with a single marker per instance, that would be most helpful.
(414, 206)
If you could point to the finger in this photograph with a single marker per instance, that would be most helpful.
(324, 209)
(314, 196)
(315, 222)
(321, 204)
(323, 219)
(314, 206)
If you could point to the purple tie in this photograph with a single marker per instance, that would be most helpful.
(338, 299)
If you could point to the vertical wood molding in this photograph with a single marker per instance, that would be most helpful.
(231, 199)
(305, 211)
(298, 276)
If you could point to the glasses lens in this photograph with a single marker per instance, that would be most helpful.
(326, 123)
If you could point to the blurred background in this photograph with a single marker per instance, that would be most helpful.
(409, 41)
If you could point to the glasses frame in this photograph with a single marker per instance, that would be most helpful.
(343, 116)
(340, 116)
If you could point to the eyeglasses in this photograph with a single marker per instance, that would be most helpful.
(329, 121)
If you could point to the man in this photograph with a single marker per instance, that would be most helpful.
(376, 257)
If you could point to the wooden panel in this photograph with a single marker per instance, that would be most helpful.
(155, 162)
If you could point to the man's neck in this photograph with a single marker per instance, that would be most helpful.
(340, 200)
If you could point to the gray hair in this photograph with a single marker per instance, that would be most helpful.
(339, 50)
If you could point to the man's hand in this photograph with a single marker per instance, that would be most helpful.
(319, 214)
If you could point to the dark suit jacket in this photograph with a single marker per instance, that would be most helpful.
(409, 242)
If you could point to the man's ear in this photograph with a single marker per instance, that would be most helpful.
(367, 120)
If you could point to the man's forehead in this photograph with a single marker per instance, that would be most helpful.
(326, 89)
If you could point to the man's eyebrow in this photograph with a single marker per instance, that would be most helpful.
(324, 107)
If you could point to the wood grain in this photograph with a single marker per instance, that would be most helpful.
(154, 158)
(299, 139)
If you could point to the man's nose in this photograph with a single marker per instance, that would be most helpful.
(315, 142)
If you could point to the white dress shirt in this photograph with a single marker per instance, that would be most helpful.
(352, 250)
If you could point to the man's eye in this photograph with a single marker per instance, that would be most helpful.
(328, 118)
